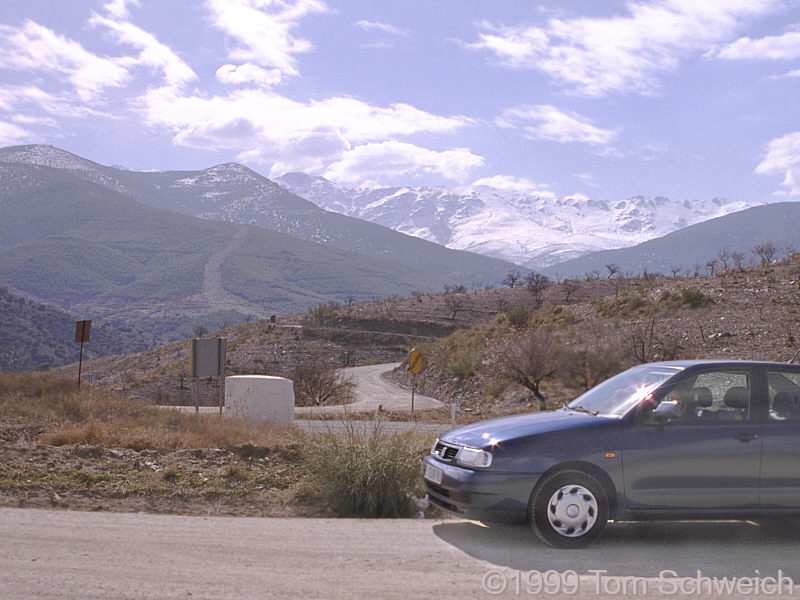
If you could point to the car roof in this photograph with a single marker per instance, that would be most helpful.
(685, 364)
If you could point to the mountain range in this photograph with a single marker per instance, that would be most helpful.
(97, 252)
(528, 229)
(235, 194)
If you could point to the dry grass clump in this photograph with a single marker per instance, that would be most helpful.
(98, 417)
(367, 471)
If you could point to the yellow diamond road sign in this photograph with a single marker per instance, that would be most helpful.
(415, 361)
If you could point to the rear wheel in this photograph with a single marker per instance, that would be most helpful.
(568, 509)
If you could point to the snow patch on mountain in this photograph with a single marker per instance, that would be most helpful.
(525, 229)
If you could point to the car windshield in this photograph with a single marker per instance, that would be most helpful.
(619, 394)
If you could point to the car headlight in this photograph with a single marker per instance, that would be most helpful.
(473, 457)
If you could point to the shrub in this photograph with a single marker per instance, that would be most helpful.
(695, 298)
(518, 316)
(366, 471)
(625, 306)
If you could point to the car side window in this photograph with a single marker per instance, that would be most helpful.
(714, 396)
(784, 395)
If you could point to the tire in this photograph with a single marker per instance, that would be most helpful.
(568, 509)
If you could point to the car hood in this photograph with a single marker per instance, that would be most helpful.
(479, 435)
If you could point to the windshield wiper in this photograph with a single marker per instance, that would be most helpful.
(583, 409)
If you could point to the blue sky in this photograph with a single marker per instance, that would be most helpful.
(682, 98)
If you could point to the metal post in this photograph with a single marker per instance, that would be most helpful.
(197, 395)
(413, 386)
(80, 366)
(221, 392)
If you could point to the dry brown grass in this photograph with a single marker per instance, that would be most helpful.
(99, 417)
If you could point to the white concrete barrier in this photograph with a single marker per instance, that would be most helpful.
(260, 398)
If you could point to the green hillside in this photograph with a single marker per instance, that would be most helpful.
(73, 242)
(36, 336)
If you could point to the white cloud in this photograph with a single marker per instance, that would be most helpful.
(545, 122)
(786, 46)
(390, 159)
(514, 184)
(381, 27)
(152, 53)
(118, 9)
(579, 197)
(12, 134)
(600, 56)
(288, 134)
(783, 158)
(588, 179)
(38, 49)
(249, 73)
(264, 30)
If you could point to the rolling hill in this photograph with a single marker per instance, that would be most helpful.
(85, 247)
(233, 193)
(693, 246)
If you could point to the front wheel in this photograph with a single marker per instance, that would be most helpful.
(568, 509)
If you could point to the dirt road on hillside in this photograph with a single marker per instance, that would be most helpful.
(214, 293)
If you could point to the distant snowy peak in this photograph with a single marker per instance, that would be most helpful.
(46, 156)
(526, 229)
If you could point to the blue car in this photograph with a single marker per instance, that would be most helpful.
(671, 440)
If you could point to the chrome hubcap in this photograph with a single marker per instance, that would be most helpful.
(572, 510)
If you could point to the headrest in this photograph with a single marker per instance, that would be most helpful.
(737, 397)
(784, 403)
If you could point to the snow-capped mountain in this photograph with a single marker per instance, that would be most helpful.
(525, 229)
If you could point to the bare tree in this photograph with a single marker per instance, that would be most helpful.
(765, 252)
(536, 283)
(316, 383)
(511, 278)
(527, 358)
(569, 287)
(737, 256)
(454, 302)
(613, 269)
(711, 266)
(586, 367)
(637, 341)
(675, 269)
(724, 256)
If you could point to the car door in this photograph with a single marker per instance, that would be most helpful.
(708, 456)
(780, 462)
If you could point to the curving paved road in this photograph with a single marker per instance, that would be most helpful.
(373, 391)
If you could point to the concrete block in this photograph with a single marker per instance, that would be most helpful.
(260, 398)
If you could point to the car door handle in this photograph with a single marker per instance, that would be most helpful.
(744, 437)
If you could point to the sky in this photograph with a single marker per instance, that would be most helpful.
(689, 99)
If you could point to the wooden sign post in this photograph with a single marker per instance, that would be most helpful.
(82, 329)
(415, 366)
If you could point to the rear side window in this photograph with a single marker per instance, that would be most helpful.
(784, 395)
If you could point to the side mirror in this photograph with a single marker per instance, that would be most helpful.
(667, 410)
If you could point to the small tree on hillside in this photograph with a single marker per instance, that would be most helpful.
(527, 358)
(765, 252)
(317, 383)
(536, 284)
(511, 278)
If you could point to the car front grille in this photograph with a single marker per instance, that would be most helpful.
(445, 451)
